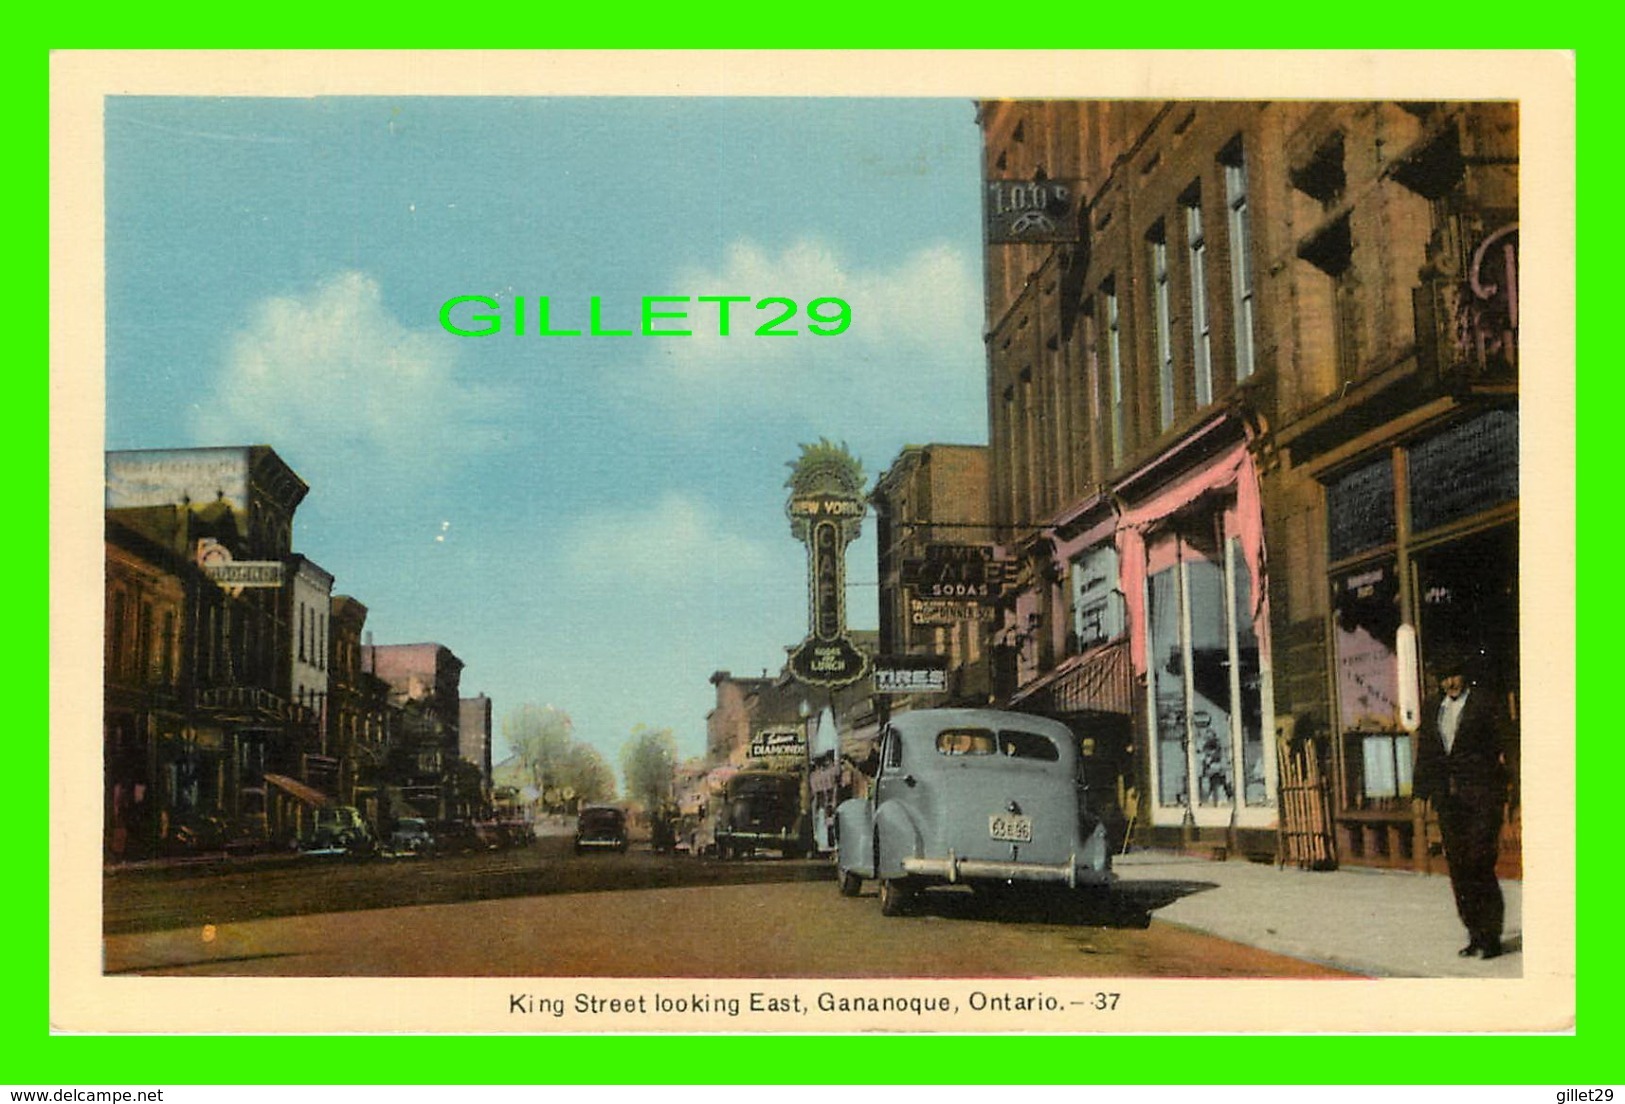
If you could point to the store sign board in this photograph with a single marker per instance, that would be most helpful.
(911, 675)
(246, 573)
(826, 509)
(778, 743)
(947, 611)
(1031, 211)
(969, 572)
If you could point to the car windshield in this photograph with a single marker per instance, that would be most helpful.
(600, 816)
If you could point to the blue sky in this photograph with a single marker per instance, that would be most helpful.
(593, 523)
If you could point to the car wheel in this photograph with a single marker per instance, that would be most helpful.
(851, 883)
(895, 896)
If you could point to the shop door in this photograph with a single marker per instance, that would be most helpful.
(1467, 593)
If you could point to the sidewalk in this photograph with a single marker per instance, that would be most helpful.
(1384, 923)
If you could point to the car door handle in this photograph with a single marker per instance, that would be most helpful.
(908, 780)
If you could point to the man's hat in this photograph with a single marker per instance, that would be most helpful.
(1451, 660)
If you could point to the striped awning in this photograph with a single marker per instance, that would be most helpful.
(1098, 681)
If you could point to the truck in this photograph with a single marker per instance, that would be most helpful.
(762, 810)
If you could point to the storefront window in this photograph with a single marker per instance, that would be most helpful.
(1097, 604)
(1360, 509)
(1249, 680)
(1366, 622)
(1206, 677)
(1469, 467)
(1210, 681)
(1168, 686)
(1386, 762)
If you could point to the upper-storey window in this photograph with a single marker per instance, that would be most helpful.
(1162, 316)
(1114, 364)
(1201, 318)
(1241, 261)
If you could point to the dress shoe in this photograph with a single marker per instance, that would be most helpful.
(1472, 950)
(1491, 950)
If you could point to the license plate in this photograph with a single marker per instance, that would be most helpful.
(1010, 827)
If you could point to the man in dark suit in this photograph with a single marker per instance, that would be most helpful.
(1461, 768)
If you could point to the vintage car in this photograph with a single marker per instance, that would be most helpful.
(601, 828)
(761, 810)
(412, 836)
(339, 829)
(985, 798)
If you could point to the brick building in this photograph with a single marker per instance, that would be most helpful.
(1252, 390)
(423, 681)
(931, 500)
(232, 759)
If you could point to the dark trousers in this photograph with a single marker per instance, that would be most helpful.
(1471, 831)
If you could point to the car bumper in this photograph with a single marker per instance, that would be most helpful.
(607, 843)
(757, 837)
(955, 869)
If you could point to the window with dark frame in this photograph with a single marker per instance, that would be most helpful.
(1201, 321)
(1241, 265)
(1114, 359)
(1162, 314)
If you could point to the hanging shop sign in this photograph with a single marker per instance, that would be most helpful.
(911, 675)
(968, 572)
(826, 514)
(947, 611)
(779, 743)
(232, 575)
(1031, 211)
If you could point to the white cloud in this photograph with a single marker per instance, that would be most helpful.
(678, 549)
(914, 345)
(329, 371)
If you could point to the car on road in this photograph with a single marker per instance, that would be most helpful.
(601, 828)
(412, 836)
(986, 798)
(761, 810)
(340, 829)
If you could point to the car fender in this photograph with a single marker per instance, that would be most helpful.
(898, 838)
(855, 834)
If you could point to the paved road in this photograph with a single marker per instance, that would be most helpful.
(236, 890)
(766, 930)
(545, 912)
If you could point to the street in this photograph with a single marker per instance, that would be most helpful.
(543, 911)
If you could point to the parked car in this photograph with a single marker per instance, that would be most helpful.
(340, 828)
(457, 835)
(762, 810)
(986, 798)
(514, 832)
(412, 836)
(601, 828)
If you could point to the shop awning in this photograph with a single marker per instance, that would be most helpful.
(298, 790)
(1098, 681)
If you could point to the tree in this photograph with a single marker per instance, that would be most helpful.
(540, 736)
(649, 765)
(588, 773)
